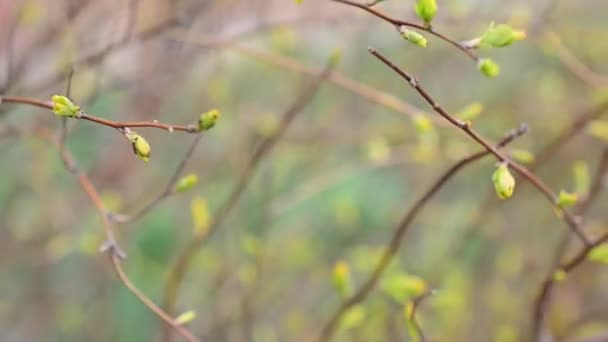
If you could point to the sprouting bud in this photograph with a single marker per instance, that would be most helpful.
(341, 279)
(208, 119)
(186, 317)
(501, 36)
(186, 183)
(522, 156)
(566, 199)
(426, 10)
(559, 275)
(141, 148)
(504, 183)
(64, 107)
(413, 36)
(488, 67)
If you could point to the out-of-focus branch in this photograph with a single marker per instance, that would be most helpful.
(395, 242)
(399, 23)
(543, 299)
(572, 63)
(110, 246)
(184, 259)
(355, 87)
(468, 129)
(105, 122)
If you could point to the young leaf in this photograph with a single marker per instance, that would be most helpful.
(501, 36)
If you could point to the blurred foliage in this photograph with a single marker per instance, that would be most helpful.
(331, 191)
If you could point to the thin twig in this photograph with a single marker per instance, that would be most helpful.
(395, 242)
(468, 129)
(105, 122)
(572, 63)
(398, 23)
(110, 245)
(415, 305)
(184, 259)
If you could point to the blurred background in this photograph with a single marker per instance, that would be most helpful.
(332, 189)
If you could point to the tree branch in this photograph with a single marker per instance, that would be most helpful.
(395, 242)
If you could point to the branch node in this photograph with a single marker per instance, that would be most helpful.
(111, 247)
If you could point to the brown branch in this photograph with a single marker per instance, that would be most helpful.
(395, 242)
(105, 122)
(572, 63)
(415, 305)
(468, 129)
(184, 259)
(543, 299)
(110, 246)
(338, 79)
(398, 23)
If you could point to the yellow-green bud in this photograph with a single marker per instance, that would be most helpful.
(501, 36)
(559, 275)
(413, 36)
(341, 279)
(186, 317)
(426, 10)
(141, 148)
(208, 119)
(504, 183)
(488, 67)
(62, 106)
(186, 183)
(566, 199)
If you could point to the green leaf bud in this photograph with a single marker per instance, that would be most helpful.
(504, 183)
(141, 148)
(208, 119)
(413, 36)
(426, 10)
(186, 183)
(488, 67)
(62, 106)
(501, 36)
